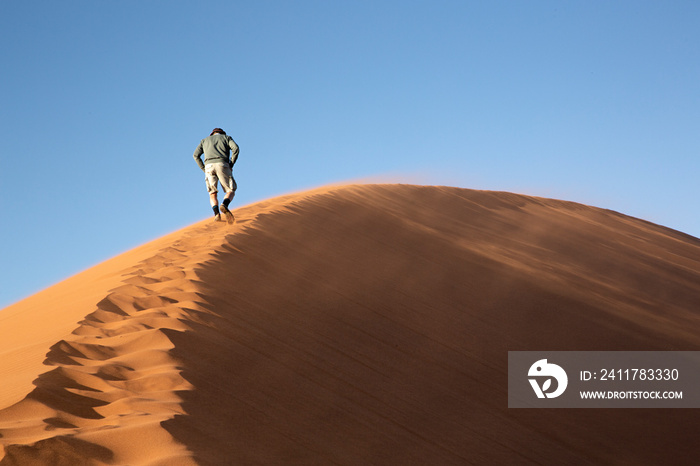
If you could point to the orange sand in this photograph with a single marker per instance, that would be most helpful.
(364, 324)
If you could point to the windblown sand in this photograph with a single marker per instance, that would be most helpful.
(359, 325)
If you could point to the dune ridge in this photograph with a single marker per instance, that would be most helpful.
(363, 324)
(113, 380)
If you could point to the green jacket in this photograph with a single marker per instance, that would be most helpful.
(216, 149)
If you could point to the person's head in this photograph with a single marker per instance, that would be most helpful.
(217, 130)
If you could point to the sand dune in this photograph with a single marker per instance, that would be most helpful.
(365, 324)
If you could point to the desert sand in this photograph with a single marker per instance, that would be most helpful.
(362, 324)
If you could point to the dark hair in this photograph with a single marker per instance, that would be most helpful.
(217, 130)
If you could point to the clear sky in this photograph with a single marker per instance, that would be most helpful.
(103, 103)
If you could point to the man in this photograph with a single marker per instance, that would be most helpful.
(220, 153)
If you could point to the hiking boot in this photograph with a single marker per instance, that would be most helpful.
(229, 215)
(217, 217)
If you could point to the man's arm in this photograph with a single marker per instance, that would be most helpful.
(198, 155)
(234, 150)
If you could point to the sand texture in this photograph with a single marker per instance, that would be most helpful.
(363, 324)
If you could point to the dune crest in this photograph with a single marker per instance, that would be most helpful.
(355, 325)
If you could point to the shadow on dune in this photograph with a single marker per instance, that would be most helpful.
(372, 327)
(57, 451)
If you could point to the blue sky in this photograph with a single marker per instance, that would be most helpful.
(103, 103)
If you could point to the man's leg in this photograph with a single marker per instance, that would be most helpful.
(229, 185)
(228, 198)
(224, 206)
(211, 181)
(214, 206)
(213, 199)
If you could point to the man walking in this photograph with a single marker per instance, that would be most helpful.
(220, 153)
